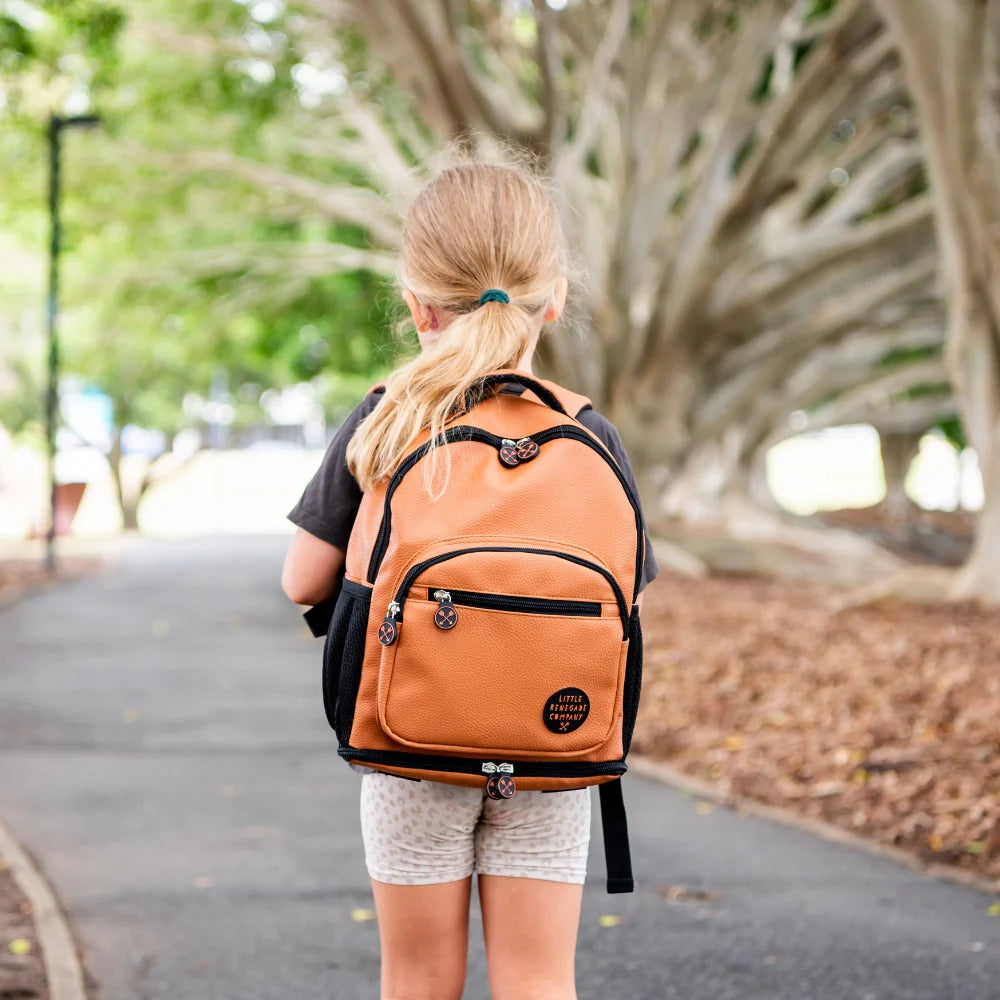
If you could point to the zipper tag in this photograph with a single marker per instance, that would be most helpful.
(526, 449)
(509, 453)
(499, 781)
(388, 631)
(446, 617)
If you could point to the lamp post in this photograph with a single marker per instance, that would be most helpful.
(56, 125)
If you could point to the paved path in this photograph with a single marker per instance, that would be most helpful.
(165, 757)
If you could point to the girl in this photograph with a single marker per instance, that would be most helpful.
(483, 266)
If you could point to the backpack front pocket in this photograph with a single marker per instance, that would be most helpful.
(473, 670)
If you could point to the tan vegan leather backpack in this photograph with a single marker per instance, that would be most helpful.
(490, 637)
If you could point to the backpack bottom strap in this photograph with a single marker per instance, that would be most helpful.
(617, 855)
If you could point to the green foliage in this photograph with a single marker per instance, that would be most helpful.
(170, 274)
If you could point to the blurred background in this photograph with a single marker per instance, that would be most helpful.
(784, 218)
(761, 303)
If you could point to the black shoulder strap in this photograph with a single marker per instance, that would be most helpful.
(617, 856)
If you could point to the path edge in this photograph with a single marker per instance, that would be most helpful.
(63, 969)
(666, 774)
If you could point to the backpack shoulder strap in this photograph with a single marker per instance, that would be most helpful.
(574, 403)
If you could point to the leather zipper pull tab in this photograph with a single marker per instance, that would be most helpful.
(446, 617)
(388, 631)
(509, 453)
(526, 449)
(500, 782)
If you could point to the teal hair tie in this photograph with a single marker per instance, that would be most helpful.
(493, 295)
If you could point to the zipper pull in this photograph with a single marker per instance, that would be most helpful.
(508, 453)
(499, 781)
(388, 631)
(526, 449)
(446, 617)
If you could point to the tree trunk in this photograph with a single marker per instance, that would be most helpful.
(950, 56)
(898, 452)
(128, 503)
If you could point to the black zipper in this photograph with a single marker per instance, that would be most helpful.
(530, 605)
(416, 570)
(579, 434)
(450, 436)
(465, 432)
(463, 765)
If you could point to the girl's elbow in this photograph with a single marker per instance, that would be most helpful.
(297, 590)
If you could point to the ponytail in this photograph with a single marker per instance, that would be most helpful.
(482, 243)
(434, 387)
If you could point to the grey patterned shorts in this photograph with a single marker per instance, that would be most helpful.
(425, 832)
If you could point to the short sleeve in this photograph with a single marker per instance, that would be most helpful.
(608, 433)
(329, 504)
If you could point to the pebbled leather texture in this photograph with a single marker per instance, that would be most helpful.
(479, 690)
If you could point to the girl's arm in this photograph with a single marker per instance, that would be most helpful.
(312, 568)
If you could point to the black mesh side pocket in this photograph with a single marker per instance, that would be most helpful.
(343, 655)
(633, 679)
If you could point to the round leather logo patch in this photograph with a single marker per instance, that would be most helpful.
(566, 710)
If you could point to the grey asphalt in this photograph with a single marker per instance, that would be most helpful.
(166, 760)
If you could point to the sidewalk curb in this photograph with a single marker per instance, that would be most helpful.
(59, 955)
(665, 774)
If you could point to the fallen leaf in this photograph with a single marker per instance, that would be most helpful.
(935, 843)
(19, 946)
(704, 808)
(975, 847)
(610, 920)
(130, 716)
(994, 910)
(734, 742)
(161, 628)
(681, 894)
(361, 916)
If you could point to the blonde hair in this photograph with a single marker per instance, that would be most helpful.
(474, 227)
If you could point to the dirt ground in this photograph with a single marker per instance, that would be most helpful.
(21, 576)
(884, 720)
(22, 975)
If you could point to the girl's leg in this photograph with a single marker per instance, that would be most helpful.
(531, 854)
(424, 931)
(419, 851)
(530, 928)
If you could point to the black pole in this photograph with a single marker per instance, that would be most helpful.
(52, 317)
(56, 124)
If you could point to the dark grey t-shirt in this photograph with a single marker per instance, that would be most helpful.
(329, 503)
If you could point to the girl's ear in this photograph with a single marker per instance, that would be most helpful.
(421, 315)
(555, 307)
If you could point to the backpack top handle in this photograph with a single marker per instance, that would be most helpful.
(543, 392)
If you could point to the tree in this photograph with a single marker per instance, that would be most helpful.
(951, 56)
(179, 281)
(756, 243)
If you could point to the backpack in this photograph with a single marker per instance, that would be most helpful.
(491, 637)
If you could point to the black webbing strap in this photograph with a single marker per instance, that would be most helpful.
(318, 617)
(616, 851)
